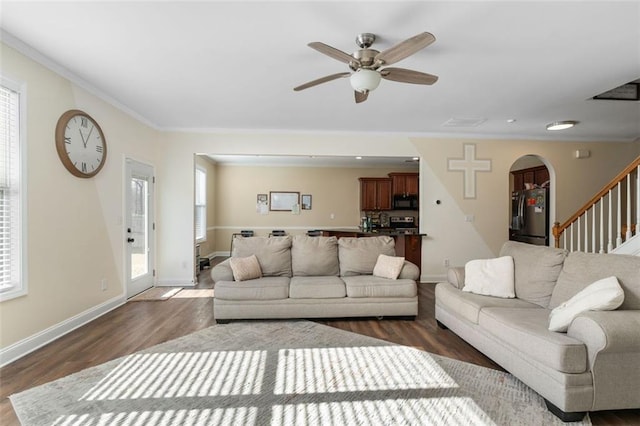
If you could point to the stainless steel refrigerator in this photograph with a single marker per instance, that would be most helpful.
(530, 216)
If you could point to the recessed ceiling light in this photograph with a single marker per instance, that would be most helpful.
(358, 158)
(416, 158)
(511, 120)
(561, 125)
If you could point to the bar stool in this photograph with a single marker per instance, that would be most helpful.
(314, 233)
(277, 233)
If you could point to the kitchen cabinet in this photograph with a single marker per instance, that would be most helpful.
(404, 183)
(375, 194)
(534, 175)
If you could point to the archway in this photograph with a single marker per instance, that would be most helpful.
(532, 207)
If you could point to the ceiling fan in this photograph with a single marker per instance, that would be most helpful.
(366, 64)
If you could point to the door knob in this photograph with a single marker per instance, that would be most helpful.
(130, 240)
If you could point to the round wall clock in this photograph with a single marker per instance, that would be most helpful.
(80, 143)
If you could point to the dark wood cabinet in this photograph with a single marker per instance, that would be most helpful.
(375, 193)
(404, 183)
(534, 175)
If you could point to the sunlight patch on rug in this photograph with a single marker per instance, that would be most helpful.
(321, 370)
(181, 374)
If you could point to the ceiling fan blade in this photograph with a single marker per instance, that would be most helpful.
(405, 48)
(333, 52)
(408, 76)
(321, 80)
(360, 97)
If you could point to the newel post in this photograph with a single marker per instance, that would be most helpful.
(556, 233)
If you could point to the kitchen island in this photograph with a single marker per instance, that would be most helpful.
(408, 245)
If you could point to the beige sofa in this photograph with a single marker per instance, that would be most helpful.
(594, 366)
(314, 277)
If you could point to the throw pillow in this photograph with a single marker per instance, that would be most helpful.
(245, 268)
(603, 295)
(388, 266)
(490, 277)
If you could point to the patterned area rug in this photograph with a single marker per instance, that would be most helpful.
(283, 373)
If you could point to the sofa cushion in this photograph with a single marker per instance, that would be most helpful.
(491, 277)
(245, 268)
(327, 287)
(603, 295)
(526, 330)
(468, 305)
(265, 288)
(358, 256)
(388, 266)
(370, 286)
(273, 253)
(581, 269)
(536, 270)
(314, 256)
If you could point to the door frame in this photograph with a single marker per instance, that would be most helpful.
(127, 160)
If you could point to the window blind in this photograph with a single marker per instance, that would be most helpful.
(201, 205)
(10, 231)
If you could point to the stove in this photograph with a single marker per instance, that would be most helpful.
(402, 222)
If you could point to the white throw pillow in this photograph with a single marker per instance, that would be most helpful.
(388, 266)
(490, 277)
(245, 268)
(603, 295)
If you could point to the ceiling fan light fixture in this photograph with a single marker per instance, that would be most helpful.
(364, 80)
(561, 125)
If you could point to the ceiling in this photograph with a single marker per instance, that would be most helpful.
(232, 66)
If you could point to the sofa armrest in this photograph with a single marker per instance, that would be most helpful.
(607, 332)
(222, 271)
(455, 275)
(409, 271)
(613, 354)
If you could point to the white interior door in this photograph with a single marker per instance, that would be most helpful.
(139, 227)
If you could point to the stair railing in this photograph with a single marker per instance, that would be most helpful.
(591, 228)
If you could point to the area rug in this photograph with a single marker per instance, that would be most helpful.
(156, 294)
(283, 373)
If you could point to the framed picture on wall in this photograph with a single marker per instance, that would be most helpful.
(283, 201)
(306, 201)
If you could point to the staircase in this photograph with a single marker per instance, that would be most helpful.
(609, 222)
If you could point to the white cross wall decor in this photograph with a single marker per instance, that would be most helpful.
(469, 165)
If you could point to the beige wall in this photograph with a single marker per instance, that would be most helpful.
(335, 198)
(75, 234)
(573, 183)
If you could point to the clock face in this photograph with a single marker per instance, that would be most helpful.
(80, 144)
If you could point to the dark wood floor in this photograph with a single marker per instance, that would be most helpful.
(138, 325)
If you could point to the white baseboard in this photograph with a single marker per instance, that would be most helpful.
(36, 341)
(433, 278)
(174, 283)
(219, 254)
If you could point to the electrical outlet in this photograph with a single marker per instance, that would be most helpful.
(446, 263)
(104, 284)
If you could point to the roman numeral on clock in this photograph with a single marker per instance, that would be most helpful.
(98, 148)
(84, 167)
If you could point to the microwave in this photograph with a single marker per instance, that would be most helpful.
(405, 202)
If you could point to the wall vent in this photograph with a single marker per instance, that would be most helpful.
(626, 92)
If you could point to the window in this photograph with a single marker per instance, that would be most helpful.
(201, 205)
(12, 192)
